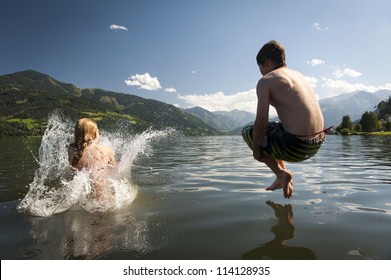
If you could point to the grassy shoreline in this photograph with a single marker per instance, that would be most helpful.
(376, 133)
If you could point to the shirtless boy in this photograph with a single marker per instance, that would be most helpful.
(86, 153)
(299, 134)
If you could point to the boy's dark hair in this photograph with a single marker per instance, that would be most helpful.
(273, 51)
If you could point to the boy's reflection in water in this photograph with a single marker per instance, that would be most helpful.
(283, 231)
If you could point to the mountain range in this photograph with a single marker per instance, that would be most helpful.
(352, 104)
(223, 121)
(27, 98)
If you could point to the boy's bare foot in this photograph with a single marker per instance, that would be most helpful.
(275, 186)
(284, 180)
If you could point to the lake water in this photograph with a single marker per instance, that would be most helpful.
(197, 198)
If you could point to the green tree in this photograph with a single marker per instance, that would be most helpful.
(369, 122)
(346, 123)
(384, 108)
(346, 126)
(345, 131)
(358, 127)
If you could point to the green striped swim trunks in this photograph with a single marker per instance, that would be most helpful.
(282, 145)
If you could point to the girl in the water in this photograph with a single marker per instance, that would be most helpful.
(86, 153)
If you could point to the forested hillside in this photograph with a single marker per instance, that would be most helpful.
(384, 110)
(28, 98)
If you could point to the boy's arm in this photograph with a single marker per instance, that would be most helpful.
(262, 118)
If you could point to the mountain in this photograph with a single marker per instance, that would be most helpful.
(352, 104)
(383, 110)
(223, 121)
(236, 118)
(30, 80)
(27, 98)
(208, 118)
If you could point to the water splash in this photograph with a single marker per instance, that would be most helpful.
(54, 188)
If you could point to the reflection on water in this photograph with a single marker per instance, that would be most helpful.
(284, 230)
(90, 236)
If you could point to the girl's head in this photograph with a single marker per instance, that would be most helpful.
(86, 130)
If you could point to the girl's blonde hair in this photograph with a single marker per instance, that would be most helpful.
(85, 131)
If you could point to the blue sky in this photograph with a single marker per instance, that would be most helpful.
(197, 53)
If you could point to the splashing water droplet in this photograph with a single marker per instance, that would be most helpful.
(54, 188)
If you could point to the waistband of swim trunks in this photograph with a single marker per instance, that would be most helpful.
(317, 140)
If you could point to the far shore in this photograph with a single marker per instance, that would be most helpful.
(381, 133)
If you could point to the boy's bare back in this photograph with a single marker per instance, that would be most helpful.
(294, 100)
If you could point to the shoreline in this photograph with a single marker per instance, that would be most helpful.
(376, 133)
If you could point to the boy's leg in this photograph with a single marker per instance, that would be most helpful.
(284, 177)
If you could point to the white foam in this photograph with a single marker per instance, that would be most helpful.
(55, 190)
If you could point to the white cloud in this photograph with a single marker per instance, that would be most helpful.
(348, 72)
(315, 62)
(312, 81)
(171, 90)
(219, 101)
(318, 27)
(246, 101)
(343, 86)
(117, 27)
(143, 81)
